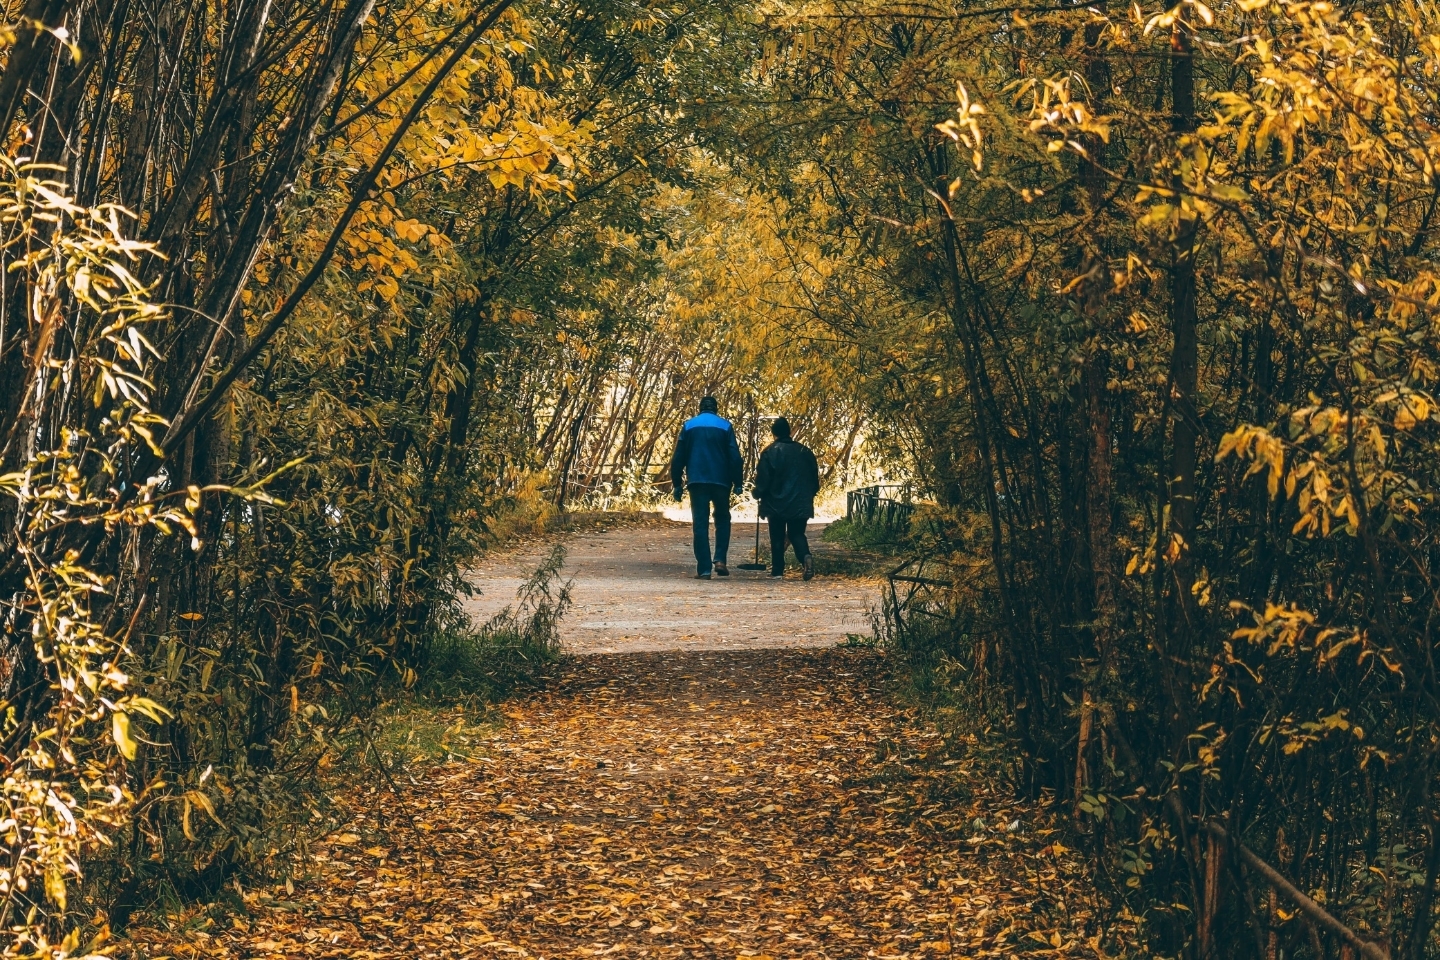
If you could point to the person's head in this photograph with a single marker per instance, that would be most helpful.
(709, 404)
(780, 429)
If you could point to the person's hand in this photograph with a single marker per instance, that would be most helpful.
(679, 494)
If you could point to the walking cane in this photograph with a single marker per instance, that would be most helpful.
(757, 565)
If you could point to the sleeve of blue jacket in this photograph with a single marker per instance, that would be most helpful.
(737, 465)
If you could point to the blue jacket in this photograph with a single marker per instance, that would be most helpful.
(707, 452)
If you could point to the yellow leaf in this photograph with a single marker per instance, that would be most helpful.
(1411, 410)
(120, 729)
(55, 884)
(202, 801)
(412, 230)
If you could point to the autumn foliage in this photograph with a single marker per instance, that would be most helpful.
(1148, 304)
(299, 297)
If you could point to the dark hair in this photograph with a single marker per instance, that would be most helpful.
(709, 404)
(780, 428)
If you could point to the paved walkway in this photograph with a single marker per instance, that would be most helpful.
(634, 591)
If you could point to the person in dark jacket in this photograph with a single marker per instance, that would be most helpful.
(707, 462)
(785, 484)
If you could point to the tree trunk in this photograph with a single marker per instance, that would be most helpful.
(1184, 359)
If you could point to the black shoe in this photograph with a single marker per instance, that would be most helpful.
(809, 567)
(721, 570)
(703, 576)
(775, 576)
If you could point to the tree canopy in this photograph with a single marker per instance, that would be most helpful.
(299, 296)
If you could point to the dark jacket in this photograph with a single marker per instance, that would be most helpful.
(787, 480)
(707, 453)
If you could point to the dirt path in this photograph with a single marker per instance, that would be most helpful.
(633, 591)
(684, 802)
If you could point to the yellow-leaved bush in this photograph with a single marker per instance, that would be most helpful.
(67, 789)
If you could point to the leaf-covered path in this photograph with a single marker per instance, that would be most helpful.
(680, 803)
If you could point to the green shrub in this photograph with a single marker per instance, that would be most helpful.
(875, 537)
(509, 651)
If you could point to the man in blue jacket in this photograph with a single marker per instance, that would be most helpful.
(707, 462)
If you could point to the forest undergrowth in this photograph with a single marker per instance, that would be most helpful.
(446, 711)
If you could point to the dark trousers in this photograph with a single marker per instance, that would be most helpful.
(781, 529)
(702, 497)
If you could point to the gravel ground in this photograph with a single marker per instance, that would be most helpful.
(634, 591)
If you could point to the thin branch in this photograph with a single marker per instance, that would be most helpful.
(361, 191)
(1311, 909)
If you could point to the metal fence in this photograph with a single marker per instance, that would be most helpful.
(911, 594)
(870, 505)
